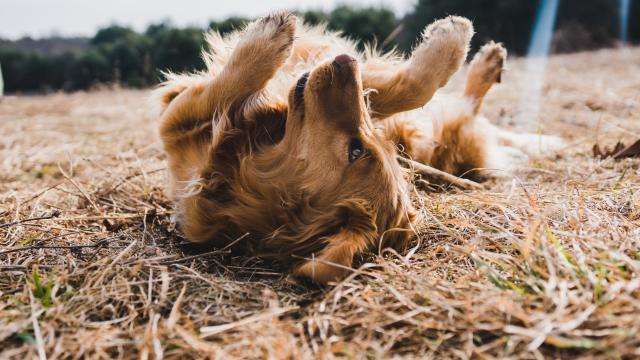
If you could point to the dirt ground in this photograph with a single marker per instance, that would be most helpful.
(545, 263)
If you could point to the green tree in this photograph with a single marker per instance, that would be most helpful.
(634, 21)
(119, 54)
(506, 21)
(175, 49)
(580, 24)
(229, 24)
(367, 24)
(1, 82)
(128, 55)
(90, 68)
(586, 24)
(111, 34)
(363, 24)
(314, 17)
(14, 65)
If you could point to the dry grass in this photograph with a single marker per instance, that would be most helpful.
(546, 264)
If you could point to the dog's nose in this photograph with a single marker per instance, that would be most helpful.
(343, 59)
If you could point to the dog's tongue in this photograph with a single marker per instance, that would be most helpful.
(343, 59)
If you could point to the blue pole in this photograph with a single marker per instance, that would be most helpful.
(624, 20)
(540, 43)
(539, 47)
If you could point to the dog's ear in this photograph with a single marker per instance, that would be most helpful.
(334, 261)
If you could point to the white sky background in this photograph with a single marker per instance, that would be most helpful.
(39, 18)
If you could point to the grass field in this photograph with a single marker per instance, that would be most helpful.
(542, 264)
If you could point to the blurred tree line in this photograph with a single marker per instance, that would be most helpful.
(117, 54)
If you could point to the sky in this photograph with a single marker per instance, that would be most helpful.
(41, 18)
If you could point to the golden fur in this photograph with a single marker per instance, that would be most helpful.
(256, 153)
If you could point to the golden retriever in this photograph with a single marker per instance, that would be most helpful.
(289, 140)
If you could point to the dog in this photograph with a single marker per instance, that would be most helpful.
(287, 145)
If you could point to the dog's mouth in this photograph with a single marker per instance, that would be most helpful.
(337, 74)
(342, 73)
(331, 92)
(342, 60)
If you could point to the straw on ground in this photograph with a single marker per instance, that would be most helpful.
(544, 263)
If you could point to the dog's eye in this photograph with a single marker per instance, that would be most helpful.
(356, 150)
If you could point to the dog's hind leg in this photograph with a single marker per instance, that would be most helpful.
(466, 142)
(484, 71)
(411, 84)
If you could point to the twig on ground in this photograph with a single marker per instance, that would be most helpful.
(110, 216)
(77, 186)
(192, 257)
(23, 267)
(40, 193)
(46, 217)
(224, 250)
(212, 330)
(437, 176)
(100, 243)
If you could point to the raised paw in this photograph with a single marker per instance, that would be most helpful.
(455, 30)
(488, 63)
(265, 45)
(444, 47)
(484, 71)
(273, 35)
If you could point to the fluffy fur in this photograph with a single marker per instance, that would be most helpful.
(257, 152)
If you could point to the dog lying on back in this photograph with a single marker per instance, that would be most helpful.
(290, 139)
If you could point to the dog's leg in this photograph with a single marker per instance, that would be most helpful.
(466, 141)
(334, 261)
(410, 85)
(484, 71)
(198, 111)
(264, 47)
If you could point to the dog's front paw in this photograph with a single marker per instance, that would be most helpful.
(454, 32)
(274, 33)
(444, 47)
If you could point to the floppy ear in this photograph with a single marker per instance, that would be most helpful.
(332, 262)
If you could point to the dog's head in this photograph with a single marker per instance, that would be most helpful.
(347, 165)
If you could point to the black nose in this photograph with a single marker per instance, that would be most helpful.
(343, 59)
